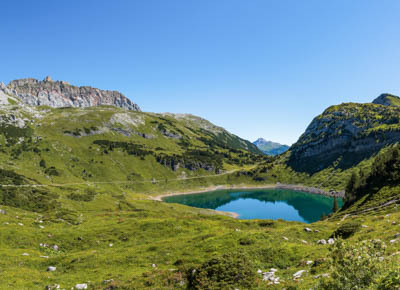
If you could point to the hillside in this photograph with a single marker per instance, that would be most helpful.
(269, 147)
(75, 207)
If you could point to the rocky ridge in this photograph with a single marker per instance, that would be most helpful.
(343, 135)
(61, 94)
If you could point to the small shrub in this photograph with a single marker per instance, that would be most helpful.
(233, 270)
(355, 266)
(346, 230)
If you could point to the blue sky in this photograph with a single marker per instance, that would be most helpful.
(258, 68)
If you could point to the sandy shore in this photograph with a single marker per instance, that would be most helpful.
(212, 188)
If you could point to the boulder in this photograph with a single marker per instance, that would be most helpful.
(298, 274)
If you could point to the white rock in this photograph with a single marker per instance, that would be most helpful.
(298, 274)
(321, 242)
(40, 226)
(51, 287)
(308, 230)
(309, 262)
(393, 241)
(331, 241)
(273, 270)
(46, 257)
(110, 245)
(364, 226)
(21, 224)
(304, 242)
(25, 254)
(55, 247)
(259, 271)
(285, 238)
(154, 265)
(2, 211)
(81, 286)
(51, 269)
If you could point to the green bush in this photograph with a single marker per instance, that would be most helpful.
(347, 230)
(357, 266)
(229, 271)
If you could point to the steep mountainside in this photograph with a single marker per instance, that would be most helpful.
(61, 94)
(346, 134)
(269, 147)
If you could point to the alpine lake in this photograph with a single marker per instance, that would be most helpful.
(262, 203)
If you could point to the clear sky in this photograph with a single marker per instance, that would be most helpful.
(259, 68)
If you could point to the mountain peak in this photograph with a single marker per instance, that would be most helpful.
(269, 147)
(387, 100)
(61, 94)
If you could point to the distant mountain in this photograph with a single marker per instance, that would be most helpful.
(269, 147)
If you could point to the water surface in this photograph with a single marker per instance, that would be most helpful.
(262, 204)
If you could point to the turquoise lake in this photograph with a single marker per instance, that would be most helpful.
(262, 204)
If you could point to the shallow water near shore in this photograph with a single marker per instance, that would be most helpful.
(261, 203)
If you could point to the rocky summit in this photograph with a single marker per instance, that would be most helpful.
(61, 94)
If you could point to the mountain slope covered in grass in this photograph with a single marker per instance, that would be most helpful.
(76, 207)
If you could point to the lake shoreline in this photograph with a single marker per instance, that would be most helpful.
(294, 187)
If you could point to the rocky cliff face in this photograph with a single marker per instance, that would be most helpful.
(62, 94)
(344, 135)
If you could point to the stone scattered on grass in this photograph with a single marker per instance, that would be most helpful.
(364, 226)
(81, 286)
(393, 241)
(304, 242)
(309, 262)
(55, 247)
(308, 230)
(154, 265)
(321, 242)
(51, 287)
(270, 277)
(51, 269)
(298, 274)
(25, 254)
(111, 245)
(331, 241)
(2, 211)
(285, 238)
(45, 257)
(397, 235)
(20, 224)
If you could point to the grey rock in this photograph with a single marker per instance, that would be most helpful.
(51, 287)
(61, 94)
(298, 274)
(2, 211)
(55, 247)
